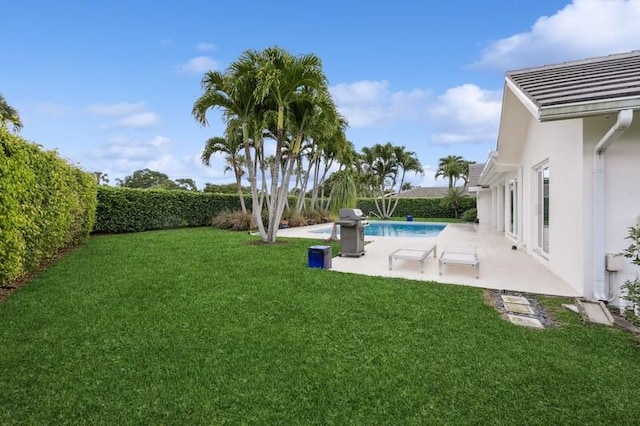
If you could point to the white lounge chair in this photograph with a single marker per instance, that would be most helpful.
(412, 254)
(459, 255)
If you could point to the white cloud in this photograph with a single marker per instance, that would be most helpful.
(121, 108)
(584, 28)
(427, 180)
(366, 103)
(142, 120)
(122, 155)
(132, 115)
(199, 65)
(164, 163)
(52, 109)
(133, 149)
(205, 47)
(466, 113)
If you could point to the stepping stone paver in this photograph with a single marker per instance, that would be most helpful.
(514, 299)
(525, 321)
(572, 308)
(518, 308)
(595, 312)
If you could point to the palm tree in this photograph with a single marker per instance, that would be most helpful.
(385, 167)
(234, 95)
(406, 161)
(259, 91)
(10, 115)
(407, 186)
(451, 167)
(453, 200)
(229, 146)
(280, 80)
(101, 178)
(331, 147)
(465, 173)
(343, 195)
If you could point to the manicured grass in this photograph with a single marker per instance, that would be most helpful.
(198, 326)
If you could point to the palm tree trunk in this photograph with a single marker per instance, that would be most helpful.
(393, 209)
(303, 189)
(315, 190)
(238, 172)
(256, 210)
(240, 194)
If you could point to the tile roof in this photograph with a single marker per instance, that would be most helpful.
(475, 170)
(424, 192)
(579, 88)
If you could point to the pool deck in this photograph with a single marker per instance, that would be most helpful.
(501, 268)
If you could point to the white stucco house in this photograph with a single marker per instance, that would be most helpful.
(564, 181)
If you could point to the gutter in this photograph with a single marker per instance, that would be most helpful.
(625, 117)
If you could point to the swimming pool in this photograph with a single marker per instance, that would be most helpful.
(396, 229)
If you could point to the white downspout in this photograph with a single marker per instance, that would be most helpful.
(625, 117)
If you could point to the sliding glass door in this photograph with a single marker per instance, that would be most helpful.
(513, 208)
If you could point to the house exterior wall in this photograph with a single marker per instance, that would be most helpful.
(622, 190)
(559, 144)
(483, 204)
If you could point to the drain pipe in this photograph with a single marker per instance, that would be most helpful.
(625, 117)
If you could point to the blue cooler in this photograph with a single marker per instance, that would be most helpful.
(319, 257)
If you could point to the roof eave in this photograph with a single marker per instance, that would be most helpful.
(585, 109)
(523, 98)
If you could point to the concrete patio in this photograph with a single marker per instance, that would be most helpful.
(501, 268)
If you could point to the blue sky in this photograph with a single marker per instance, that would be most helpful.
(111, 84)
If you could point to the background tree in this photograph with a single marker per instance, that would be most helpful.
(187, 184)
(406, 186)
(9, 115)
(230, 188)
(147, 178)
(385, 167)
(452, 167)
(101, 178)
(465, 173)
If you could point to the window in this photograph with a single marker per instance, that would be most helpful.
(542, 183)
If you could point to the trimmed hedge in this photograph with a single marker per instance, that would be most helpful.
(134, 210)
(122, 209)
(418, 207)
(46, 205)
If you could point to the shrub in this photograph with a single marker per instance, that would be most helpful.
(46, 205)
(470, 215)
(632, 287)
(316, 216)
(234, 221)
(296, 219)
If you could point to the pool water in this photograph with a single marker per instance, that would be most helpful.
(396, 229)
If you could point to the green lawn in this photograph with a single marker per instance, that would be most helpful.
(198, 326)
